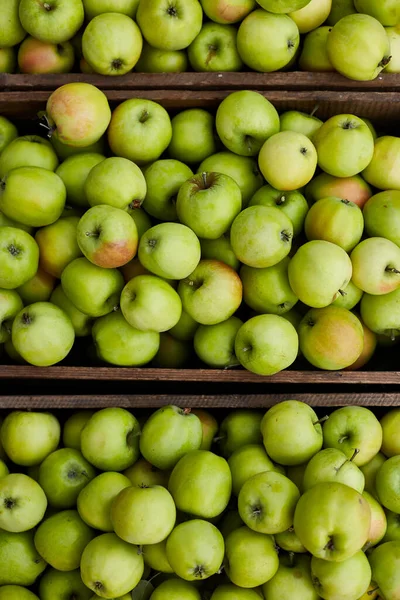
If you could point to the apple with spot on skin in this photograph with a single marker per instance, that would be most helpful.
(268, 290)
(74, 172)
(19, 249)
(8, 133)
(387, 153)
(250, 557)
(332, 464)
(20, 562)
(312, 15)
(335, 220)
(386, 12)
(378, 520)
(102, 490)
(193, 138)
(376, 266)
(55, 583)
(37, 289)
(36, 57)
(343, 580)
(155, 557)
(164, 179)
(173, 588)
(340, 9)
(28, 151)
(10, 305)
(293, 204)
(352, 296)
(247, 461)
(314, 55)
(353, 188)
(259, 120)
(215, 49)
(143, 474)
(215, 344)
(58, 245)
(384, 562)
(98, 7)
(81, 323)
(51, 21)
(382, 216)
(24, 503)
(267, 42)
(227, 11)
(12, 32)
(154, 60)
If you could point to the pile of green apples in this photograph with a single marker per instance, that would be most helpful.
(176, 506)
(259, 257)
(357, 38)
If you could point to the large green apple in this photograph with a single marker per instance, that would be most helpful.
(195, 550)
(28, 437)
(358, 47)
(304, 123)
(239, 428)
(267, 41)
(175, 588)
(12, 31)
(378, 520)
(61, 539)
(193, 138)
(20, 562)
(381, 314)
(382, 216)
(73, 428)
(81, 323)
(376, 266)
(340, 9)
(332, 521)
(154, 60)
(385, 561)
(268, 290)
(227, 11)
(215, 49)
(383, 170)
(386, 12)
(28, 151)
(10, 306)
(335, 220)
(58, 245)
(292, 580)
(20, 257)
(251, 558)
(164, 179)
(247, 461)
(343, 580)
(171, 27)
(215, 344)
(100, 493)
(23, 503)
(312, 15)
(51, 21)
(332, 464)
(314, 55)
(293, 204)
(111, 567)
(245, 120)
(74, 172)
(143, 474)
(55, 584)
(16, 592)
(221, 250)
(305, 438)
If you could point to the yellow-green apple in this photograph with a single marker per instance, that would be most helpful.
(73, 428)
(268, 290)
(101, 492)
(371, 468)
(293, 204)
(64, 151)
(164, 179)
(385, 562)
(358, 47)
(266, 344)
(58, 583)
(312, 15)
(209, 425)
(78, 113)
(267, 41)
(319, 272)
(251, 558)
(267, 502)
(37, 289)
(61, 538)
(239, 428)
(288, 147)
(20, 562)
(247, 461)
(28, 437)
(185, 328)
(36, 57)
(173, 588)
(8, 133)
(24, 502)
(288, 541)
(20, 257)
(345, 146)
(245, 120)
(62, 475)
(10, 305)
(123, 48)
(140, 130)
(394, 39)
(28, 151)
(93, 290)
(195, 550)
(376, 266)
(170, 28)
(393, 527)
(111, 567)
(143, 474)
(227, 11)
(118, 343)
(292, 579)
(215, 344)
(16, 592)
(215, 49)
(352, 296)
(155, 557)
(74, 172)
(382, 216)
(291, 416)
(250, 229)
(110, 439)
(42, 334)
(386, 153)
(243, 169)
(378, 520)
(343, 580)
(172, 353)
(58, 245)
(154, 60)
(98, 7)
(193, 138)
(212, 293)
(51, 21)
(293, 120)
(192, 489)
(390, 423)
(386, 12)
(381, 315)
(340, 9)
(221, 250)
(332, 464)
(370, 343)
(33, 196)
(314, 55)
(386, 485)
(331, 338)
(8, 60)
(354, 428)
(12, 32)
(335, 220)
(353, 188)
(177, 432)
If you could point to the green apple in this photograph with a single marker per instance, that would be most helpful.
(318, 272)
(164, 179)
(266, 344)
(353, 188)
(20, 562)
(193, 138)
(111, 567)
(55, 584)
(115, 181)
(378, 521)
(81, 323)
(195, 550)
(352, 296)
(376, 266)
(154, 60)
(212, 293)
(61, 539)
(28, 437)
(245, 120)
(221, 250)
(386, 485)
(93, 290)
(177, 432)
(312, 15)
(36, 57)
(371, 468)
(100, 492)
(332, 464)
(386, 153)
(227, 11)
(381, 314)
(51, 21)
(62, 475)
(98, 7)
(74, 172)
(382, 216)
(20, 257)
(58, 245)
(32, 196)
(28, 151)
(243, 169)
(305, 439)
(314, 55)
(175, 588)
(340, 9)
(3, 469)
(343, 580)
(110, 439)
(300, 122)
(37, 289)
(292, 580)
(251, 558)
(267, 502)
(332, 521)
(23, 503)
(239, 428)
(10, 306)
(185, 328)
(170, 28)
(8, 131)
(386, 12)
(64, 151)
(143, 474)
(267, 41)
(143, 515)
(215, 344)
(393, 527)
(354, 427)
(155, 557)
(73, 428)
(384, 562)
(42, 334)
(394, 40)
(192, 489)
(12, 32)
(293, 204)
(215, 49)
(288, 541)
(16, 592)
(335, 220)
(390, 426)
(358, 47)
(268, 290)
(247, 461)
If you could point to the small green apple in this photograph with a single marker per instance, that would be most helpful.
(64, 150)
(312, 15)
(314, 55)
(393, 527)
(73, 428)
(394, 39)
(380, 314)
(8, 131)
(227, 11)
(268, 290)
(23, 503)
(172, 353)
(193, 138)
(100, 492)
(143, 474)
(209, 425)
(28, 151)
(386, 485)
(6, 222)
(353, 188)
(251, 558)
(215, 344)
(142, 220)
(37, 289)
(390, 426)
(154, 60)
(292, 579)
(288, 541)
(28, 437)
(300, 122)
(185, 328)
(3, 469)
(173, 28)
(55, 584)
(332, 464)
(164, 179)
(340, 9)
(386, 153)
(74, 172)
(247, 461)
(343, 580)
(20, 562)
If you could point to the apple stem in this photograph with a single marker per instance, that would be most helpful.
(392, 335)
(204, 177)
(187, 411)
(343, 439)
(370, 592)
(356, 451)
(321, 420)
(342, 293)
(135, 204)
(47, 6)
(316, 107)
(50, 129)
(392, 270)
(219, 438)
(281, 200)
(385, 61)
(291, 558)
